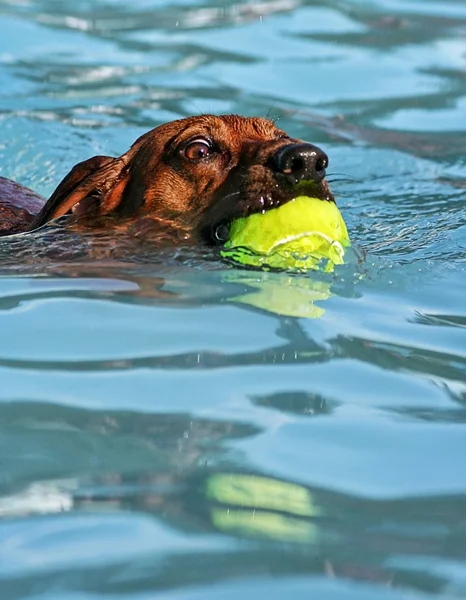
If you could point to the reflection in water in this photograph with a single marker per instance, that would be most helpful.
(179, 471)
(298, 347)
(272, 293)
(301, 403)
(175, 469)
(104, 253)
(282, 526)
(395, 357)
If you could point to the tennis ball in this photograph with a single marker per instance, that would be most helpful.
(296, 236)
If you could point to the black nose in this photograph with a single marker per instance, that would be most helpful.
(301, 162)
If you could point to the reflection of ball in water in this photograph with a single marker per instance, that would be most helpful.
(297, 236)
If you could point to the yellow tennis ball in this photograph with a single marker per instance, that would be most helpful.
(297, 236)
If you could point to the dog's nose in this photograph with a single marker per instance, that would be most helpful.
(301, 162)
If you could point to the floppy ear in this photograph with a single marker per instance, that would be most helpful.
(96, 185)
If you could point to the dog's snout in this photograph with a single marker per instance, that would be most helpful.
(301, 162)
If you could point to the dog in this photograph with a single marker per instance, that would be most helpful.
(185, 180)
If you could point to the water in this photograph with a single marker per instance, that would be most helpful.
(175, 428)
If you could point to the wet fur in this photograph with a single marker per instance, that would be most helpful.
(154, 184)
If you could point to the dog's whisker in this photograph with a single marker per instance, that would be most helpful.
(342, 177)
(237, 193)
(193, 104)
(269, 112)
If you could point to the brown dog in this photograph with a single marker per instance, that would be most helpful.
(190, 178)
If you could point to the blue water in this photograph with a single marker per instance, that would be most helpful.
(171, 427)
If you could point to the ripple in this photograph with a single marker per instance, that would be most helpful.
(132, 384)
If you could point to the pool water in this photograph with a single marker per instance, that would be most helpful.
(173, 427)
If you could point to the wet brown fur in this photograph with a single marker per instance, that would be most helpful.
(155, 182)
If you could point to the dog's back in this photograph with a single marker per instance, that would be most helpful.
(18, 206)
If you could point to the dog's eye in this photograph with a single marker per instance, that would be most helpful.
(197, 149)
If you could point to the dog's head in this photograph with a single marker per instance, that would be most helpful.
(195, 175)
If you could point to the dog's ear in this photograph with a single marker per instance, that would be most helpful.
(96, 185)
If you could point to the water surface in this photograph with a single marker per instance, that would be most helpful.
(174, 427)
